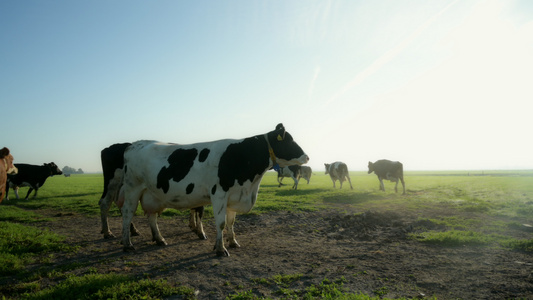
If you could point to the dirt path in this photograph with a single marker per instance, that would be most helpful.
(370, 251)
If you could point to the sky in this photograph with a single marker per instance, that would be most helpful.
(437, 85)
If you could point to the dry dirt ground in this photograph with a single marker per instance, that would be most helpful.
(371, 251)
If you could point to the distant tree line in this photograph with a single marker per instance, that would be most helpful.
(69, 170)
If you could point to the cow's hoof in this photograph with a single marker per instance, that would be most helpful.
(128, 248)
(161, 243)
(234, 244)
(202, 236)
(222, 253)
(109, 235)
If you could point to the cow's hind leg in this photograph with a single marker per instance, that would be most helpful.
(219, 209)
(231, 234)
(105, 204)
(131, 201)
(28, 194)
(195, 222)
(156, 235)
(349, 181)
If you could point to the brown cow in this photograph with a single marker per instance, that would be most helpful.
(6, 167)
(388, 170)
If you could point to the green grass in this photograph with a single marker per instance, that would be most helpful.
(480, 207)
(109, 286)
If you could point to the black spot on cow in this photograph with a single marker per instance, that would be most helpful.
(214, 189)
(203, 155)
(112, 158)
(181, 162)
(190, 188)
(243, 161)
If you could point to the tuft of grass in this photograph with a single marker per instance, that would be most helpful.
(110, 286)
(523, 245)
(15, 214)
(19, 243)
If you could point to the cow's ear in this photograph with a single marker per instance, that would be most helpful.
(4, 152)
(280, 131)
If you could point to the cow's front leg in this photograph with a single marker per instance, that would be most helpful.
(229, 226)
(381, 185)
(219, 209)
(156, 235)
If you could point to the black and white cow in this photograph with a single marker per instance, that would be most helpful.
(296, 173)
(338, 171)
(225, 173)
(388, 170)
(112, 159)
(289, 171)
(32, 176)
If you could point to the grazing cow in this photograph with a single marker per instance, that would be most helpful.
(290, 171)
(225, 173)
(305, 173)
(112, 159)
(389, 170)
(6, 168)
(32, 176)
(338, 171)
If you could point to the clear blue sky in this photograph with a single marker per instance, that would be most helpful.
(434, 84)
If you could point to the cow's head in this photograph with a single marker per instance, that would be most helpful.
(327, 168)
(8, 161)
(54, 169)
(285, 149)
(370, 167)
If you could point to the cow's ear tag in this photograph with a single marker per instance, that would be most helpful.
(280, 138)
(276, 167)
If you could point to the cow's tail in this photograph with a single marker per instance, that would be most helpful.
(343, 172)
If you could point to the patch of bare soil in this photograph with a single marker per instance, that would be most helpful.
(371, 251)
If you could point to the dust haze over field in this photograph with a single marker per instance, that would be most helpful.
(453, 235)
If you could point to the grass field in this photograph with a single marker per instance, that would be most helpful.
(480, 200)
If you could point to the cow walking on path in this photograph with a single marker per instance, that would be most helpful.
(388, 170)
(338, 171)
(6, 168)
(224, 173)
(32, 176)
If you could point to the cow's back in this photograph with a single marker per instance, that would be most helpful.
(171, 171)
(384, 166)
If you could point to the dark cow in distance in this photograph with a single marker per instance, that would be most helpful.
(6, 168)
(224, 173)
(338, 171)
(290, 171)
(305, 173)
(388, 170)
(32, 176)
(112, 159)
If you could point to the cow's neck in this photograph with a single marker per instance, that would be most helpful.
(270, 150)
